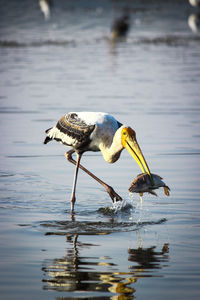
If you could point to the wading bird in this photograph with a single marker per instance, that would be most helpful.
(95, 131)
(120, 27)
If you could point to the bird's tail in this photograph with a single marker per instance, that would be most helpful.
(47, 139)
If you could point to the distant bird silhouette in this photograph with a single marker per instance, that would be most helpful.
(195, 2)
(120, 27)
(194, 19)
(95, 131)
(194, 22)
(45, 7)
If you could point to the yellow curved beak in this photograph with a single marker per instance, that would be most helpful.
(131, 145)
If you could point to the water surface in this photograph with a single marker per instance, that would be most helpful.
(150, 81)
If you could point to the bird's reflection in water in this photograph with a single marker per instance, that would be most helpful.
(148, 258)
(77, 273)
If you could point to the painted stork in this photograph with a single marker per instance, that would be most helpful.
(95, 131)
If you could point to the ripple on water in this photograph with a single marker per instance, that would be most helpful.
(119, 220)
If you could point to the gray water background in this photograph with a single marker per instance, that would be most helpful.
(149, 82)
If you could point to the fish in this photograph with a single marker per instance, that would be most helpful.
(144, 184)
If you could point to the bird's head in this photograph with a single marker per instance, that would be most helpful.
(128, 138)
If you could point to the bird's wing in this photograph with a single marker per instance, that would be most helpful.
(75, 128)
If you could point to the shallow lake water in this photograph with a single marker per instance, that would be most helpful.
(150, 81)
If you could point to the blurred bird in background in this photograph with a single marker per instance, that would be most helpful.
(195, 3)
(194, 19)
(120, 27)
(45, 7)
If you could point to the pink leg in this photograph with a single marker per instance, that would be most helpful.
(113, 195)
(73, 197)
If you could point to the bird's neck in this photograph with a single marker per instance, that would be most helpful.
(112, 153)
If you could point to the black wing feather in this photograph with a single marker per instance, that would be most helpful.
(75, 128)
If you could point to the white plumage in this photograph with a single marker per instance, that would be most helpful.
(194, 22)
(195, 2)
(194, 19)
(101, 138)
(45, 8)
(95, 131)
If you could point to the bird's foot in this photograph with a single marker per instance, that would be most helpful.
(113, 195)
